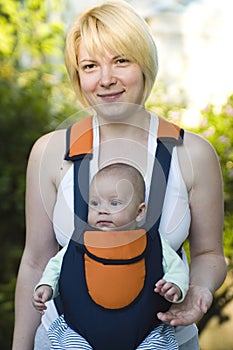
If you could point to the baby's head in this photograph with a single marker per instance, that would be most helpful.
(117, 195)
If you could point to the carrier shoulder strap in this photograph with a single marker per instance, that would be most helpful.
(169, 135)
(79, 138)
(79, 142)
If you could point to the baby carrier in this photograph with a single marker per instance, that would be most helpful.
(107, 279)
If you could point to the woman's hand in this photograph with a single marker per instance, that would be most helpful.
(195, 305)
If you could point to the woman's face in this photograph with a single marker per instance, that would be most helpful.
(110, 83)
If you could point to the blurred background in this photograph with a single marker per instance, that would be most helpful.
(194, 88)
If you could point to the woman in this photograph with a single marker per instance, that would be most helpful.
(112, 62)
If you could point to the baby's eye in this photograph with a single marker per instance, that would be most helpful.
(115, 203)
(94, 203)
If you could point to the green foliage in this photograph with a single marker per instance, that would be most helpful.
(24, 116)
(6, 312)
(228, 237)
(35, 98)
(8, 24)
(217, 126)
(167, 105)
(29, 33)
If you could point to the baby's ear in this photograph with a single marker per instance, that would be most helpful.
(141, 212)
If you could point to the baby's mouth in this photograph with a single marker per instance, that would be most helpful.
(104, 223)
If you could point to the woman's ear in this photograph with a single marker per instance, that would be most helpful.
(141, 212)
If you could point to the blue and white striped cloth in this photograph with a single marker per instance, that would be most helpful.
(62, 337)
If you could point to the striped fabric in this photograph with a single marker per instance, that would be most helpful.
(62, 337)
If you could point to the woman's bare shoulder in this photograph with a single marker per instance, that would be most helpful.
(51, 142)
(196, 142)
(197, 157)
(47, 156)
(198, 148)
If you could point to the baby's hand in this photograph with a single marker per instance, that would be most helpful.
(42, 294)
(168, 290)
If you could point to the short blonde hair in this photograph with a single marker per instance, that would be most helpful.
(116, 27)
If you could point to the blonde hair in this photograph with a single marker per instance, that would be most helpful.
(115, 27)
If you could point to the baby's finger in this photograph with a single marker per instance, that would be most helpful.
(37, 297)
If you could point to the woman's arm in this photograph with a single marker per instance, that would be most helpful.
(40, 241)
(201, 171)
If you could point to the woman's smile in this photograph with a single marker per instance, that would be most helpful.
(111, 96)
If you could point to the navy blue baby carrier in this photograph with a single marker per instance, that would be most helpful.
(107, 279)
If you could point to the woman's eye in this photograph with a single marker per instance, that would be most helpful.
(122, 60)
(88, 67)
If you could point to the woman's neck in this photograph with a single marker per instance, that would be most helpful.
(134, 127)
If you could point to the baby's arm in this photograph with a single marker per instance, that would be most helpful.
(47, 288)
(168, 290)
(175, 282)
(42, 294)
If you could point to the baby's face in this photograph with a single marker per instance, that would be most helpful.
(112, 203)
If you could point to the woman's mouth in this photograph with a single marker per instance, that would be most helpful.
(111, 97)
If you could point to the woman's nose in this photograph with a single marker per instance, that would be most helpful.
(107, 78)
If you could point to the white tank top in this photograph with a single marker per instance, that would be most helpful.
(175, 219)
